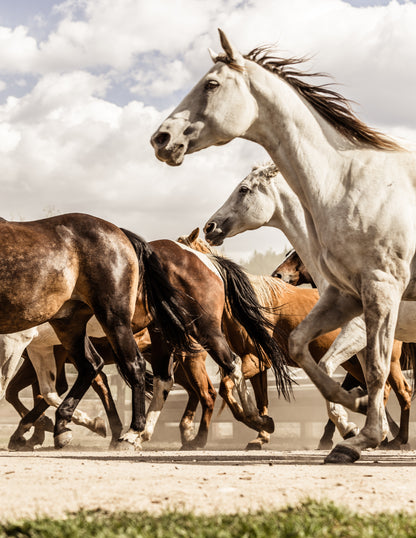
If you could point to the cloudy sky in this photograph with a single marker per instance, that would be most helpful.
(84, 83)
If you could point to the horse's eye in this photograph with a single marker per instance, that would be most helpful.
(211, 85)
(244, 189)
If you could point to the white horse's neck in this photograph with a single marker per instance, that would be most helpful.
(290, 217)
(305, 147)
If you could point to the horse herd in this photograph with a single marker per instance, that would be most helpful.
(172, 302)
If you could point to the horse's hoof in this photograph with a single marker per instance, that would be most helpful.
(268, 424)
(99, 427)
(254, 445)
(19, 444)
(63, 438)
(325, 445)
(342, 454)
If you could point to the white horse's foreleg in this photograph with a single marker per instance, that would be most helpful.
(333, 310)
(381, 305)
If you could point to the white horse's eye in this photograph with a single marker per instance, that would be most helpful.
(211, 84)
(244, 189)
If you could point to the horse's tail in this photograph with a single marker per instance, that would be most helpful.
(247, 310)
(408, 361)
(164, 303)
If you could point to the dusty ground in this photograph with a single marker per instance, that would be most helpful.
(48, 482)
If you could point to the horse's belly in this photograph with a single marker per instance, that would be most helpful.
(406, 323)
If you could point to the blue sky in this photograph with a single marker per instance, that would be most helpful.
(83, 84)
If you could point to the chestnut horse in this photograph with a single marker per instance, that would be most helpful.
(292, 270)
(201, 283)
(288, 305)
(66, 268)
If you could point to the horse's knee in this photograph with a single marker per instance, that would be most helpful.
(296, 347)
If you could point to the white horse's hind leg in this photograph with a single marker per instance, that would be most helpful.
(381, 304)
(332, 310)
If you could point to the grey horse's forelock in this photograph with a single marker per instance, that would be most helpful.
(266, 170)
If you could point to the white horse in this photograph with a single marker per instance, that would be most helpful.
(263, 198)
(353, 182)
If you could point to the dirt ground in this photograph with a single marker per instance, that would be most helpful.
(49, 482)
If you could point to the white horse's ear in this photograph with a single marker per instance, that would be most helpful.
(230, 50)
(214, 55)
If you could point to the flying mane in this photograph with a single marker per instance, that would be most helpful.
(332, 106)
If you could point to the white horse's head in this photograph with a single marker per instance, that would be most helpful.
(217, 110)
(249, 206)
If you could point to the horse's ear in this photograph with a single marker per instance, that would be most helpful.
(193, 235)
(229, 49)
(214, 55)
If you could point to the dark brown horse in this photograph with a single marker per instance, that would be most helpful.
(201, 286)
(63, 270)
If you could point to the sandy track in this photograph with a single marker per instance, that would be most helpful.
(52, 483)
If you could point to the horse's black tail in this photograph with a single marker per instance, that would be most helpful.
(247, 310)
(164, 303)
(408, 361)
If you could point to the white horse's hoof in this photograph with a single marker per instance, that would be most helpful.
(343, 454)
(130, 437)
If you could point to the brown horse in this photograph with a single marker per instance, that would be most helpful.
(288, 306)
(292, 270)
(201, 286)
(66, 268)
(189, 370)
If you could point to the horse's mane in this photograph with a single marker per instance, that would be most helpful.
(335, 108)
(268, 288)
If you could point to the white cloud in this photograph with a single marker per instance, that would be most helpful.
(65, 145)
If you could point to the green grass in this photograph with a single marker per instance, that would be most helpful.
(310, 519)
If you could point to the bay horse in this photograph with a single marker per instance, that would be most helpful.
(201, 282)
(66, 268)
(289, 305)
(357, 188)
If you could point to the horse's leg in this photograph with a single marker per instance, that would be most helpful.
(226, 391)
(186, 425)
(102, 388)
(71, 331)
(195, 371)
(381, 299)
(403, 392)
(162, 366)
(325, 442)
(24, 377)
(331, 311)
(50, 367)
(231, 363)
(259, 384)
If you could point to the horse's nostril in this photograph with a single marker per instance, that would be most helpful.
(161, 139)
(210, 227)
